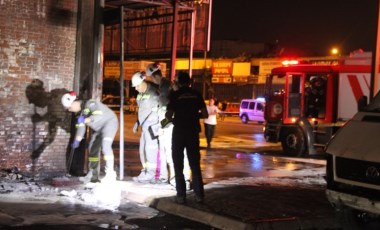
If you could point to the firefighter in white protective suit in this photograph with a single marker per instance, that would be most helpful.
(104, 124)
(154, 74)
(147, 119)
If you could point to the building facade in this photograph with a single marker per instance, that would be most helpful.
(37, 53)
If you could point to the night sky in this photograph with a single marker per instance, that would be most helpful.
(301, 27)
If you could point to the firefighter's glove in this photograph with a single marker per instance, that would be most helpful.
(81, 120)
(164, 122)
(135, 127)
(75, 144)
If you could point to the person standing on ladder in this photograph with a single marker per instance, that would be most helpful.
(104, 124)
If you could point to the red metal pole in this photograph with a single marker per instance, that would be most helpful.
(174, 40)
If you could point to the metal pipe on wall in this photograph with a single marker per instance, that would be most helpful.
(121, 129)
(193, 17)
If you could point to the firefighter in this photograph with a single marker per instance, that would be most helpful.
(104, 124)
(315, 92)
(153, 71)
(147, 119)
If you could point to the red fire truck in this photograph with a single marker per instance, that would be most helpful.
(307, 103)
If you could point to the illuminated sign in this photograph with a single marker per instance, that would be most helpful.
(241, 69)
(221, 80)
(112, 68)
(183, 64)
(221, 68)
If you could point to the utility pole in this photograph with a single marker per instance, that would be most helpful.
(375, 59)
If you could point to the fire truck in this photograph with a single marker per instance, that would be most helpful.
(307, 103)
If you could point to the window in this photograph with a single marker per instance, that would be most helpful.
(315, 96)
(252, 105)
(294, 100)
(244, 104)
(260, 107)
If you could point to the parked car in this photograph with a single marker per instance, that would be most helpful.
(232, 108)
(228, 109)
(252, 110)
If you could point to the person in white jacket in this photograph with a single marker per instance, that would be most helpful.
(211, 121)
(153, 72)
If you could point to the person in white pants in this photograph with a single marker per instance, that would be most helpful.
(210, 122)
(154, 74)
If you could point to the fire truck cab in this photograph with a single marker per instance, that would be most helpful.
(307, 103)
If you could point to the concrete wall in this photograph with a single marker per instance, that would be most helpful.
(37, 60)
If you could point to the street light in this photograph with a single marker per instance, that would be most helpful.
(334, 51)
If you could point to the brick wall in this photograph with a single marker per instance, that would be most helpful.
(37, 58)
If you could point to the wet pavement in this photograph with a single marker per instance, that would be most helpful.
(257, 191)
(248, 185)
(259, 207)
(38, 205)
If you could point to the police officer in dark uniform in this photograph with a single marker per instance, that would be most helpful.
(186, 106)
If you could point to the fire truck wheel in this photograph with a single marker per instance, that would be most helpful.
(293, 142)
(244, 119)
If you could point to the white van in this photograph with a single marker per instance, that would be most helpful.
(252, 110)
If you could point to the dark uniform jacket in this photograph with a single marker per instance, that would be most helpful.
(186, 104)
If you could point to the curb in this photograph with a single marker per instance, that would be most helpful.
(210, 219)
(226, 223)
(296, 223)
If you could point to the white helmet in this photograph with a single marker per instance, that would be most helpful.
(138, 78)
(151, 68)
(68, 98)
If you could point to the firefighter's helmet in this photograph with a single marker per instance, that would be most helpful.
(151, 68)
(68, 99)
(317, 81)
(138, 78)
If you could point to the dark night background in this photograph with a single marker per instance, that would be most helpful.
(300, 27)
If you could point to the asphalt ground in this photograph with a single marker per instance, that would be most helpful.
(234, 206)
(261, 206)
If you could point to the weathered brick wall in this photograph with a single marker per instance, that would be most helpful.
(37, 58)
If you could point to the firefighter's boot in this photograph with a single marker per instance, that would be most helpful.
(144, 177)
(110, 172)
(93, 171)
(90, 177)
(110, 176)
(95, 176)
